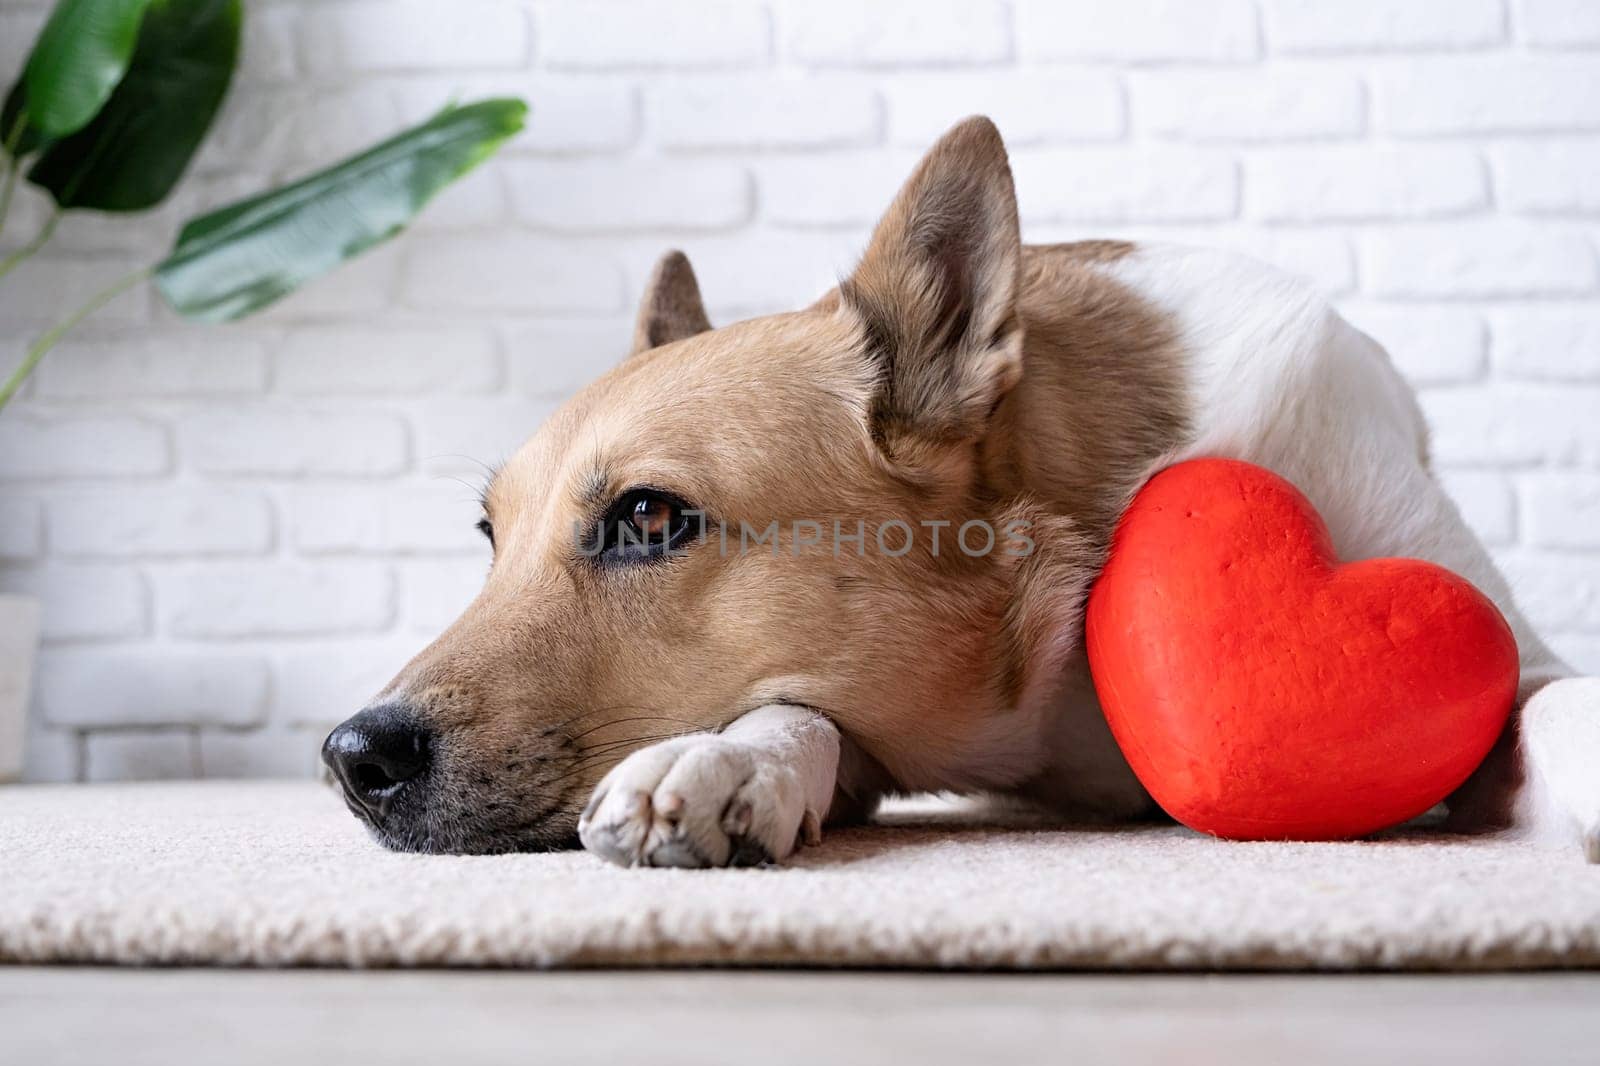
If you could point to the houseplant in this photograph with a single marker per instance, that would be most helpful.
(110, 106)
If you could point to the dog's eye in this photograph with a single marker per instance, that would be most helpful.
(653, 516)
(487, 529)
(645, 524)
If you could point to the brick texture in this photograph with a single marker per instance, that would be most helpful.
(1249, 105)
(85, 601)
(148, 755)
(407, 35)
(1547, 177)
(608, 197)
(239, 533)
(166, 522)
(1140, 31)
(342, 359)
(1320, 184)
(641, 34)
(1438, 98)
(1030, 107)
(157, 365)
(151, 686)
(1559, 23)
(315, 685)
(21, 526)
(1560, 343)
(247, 600)
(277, 441)
(1311, 26)
(755, 112)
(847, 33)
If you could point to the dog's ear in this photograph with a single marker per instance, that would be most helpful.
(935, 296)
(671, 309)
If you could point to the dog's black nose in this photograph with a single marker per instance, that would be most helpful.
(376, 754)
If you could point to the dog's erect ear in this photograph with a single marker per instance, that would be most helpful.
(935, 295)
(671, 309)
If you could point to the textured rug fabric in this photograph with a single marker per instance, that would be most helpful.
(279, 874)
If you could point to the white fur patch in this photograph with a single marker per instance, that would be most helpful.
(749, 794)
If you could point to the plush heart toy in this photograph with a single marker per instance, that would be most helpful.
(1260, 690)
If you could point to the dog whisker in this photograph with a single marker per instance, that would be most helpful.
(625, 721)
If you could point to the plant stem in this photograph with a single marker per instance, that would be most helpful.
(8, 184)
(48, 339)
(9, 263)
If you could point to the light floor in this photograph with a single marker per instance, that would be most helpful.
(173, 1017)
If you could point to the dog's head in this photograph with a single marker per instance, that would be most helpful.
(766, 512)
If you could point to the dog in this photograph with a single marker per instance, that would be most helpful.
(631, 679)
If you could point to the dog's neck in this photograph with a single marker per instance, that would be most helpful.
(1102, 395)
(1101, 401)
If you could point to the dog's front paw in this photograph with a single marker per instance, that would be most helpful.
(1561, 733)
(698, 801)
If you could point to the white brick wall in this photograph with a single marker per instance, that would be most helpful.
(239, 533)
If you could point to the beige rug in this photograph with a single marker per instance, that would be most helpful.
(279, 875)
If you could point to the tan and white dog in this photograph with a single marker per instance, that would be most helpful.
(631, 677)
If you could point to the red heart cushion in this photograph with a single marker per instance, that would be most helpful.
(1260, 690)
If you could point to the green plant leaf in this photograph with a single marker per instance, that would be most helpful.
(135, 150)
(78, 59)
(239, 259)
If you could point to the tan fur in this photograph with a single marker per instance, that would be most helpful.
(955, 375)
